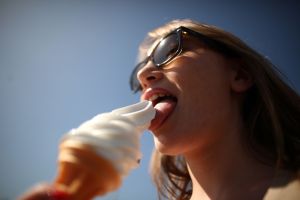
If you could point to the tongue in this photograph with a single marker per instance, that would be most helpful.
(163, 111)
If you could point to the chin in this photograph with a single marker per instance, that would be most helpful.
(167, 148)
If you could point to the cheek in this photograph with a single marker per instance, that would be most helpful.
(204, 97)
(203, 107)
(203, 88)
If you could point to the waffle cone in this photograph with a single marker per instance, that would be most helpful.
(83, 173)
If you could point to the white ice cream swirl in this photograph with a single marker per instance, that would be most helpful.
(116, 135)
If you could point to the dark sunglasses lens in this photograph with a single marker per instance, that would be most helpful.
(166, 49)
(134, 83)
(164, 52)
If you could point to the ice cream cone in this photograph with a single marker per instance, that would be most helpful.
(96, 156)
(82, 173)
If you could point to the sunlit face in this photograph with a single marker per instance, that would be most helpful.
(200, 79)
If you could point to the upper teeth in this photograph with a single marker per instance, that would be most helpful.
(155, 96)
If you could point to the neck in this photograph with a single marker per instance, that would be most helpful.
(227, 171)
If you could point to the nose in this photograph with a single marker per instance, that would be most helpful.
(149, 75)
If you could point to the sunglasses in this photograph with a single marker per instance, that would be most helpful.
(171, 46)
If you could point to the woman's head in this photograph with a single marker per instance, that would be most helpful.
(200, 74)
(215, 81)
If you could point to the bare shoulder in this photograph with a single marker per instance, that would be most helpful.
(287, 188)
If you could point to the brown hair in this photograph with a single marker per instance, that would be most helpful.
(271, 113)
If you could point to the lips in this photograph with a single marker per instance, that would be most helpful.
(164, 103)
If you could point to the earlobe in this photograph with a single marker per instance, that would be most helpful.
(241, 80)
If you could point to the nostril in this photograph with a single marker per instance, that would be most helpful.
(149, 75)
(150, 78)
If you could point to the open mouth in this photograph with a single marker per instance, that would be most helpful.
(164, 105)
(157, 98)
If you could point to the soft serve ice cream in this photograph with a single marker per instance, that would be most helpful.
(116, 135)
(94, 158)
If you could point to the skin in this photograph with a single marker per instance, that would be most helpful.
(206, 125)
(38, 192)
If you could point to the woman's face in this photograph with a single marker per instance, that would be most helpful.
(201, 108)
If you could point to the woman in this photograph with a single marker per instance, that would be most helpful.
(227, 126)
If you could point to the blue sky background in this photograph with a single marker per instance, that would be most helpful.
(62, 62)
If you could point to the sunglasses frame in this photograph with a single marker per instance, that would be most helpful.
(180, 31)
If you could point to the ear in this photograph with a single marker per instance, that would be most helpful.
(241, 80)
